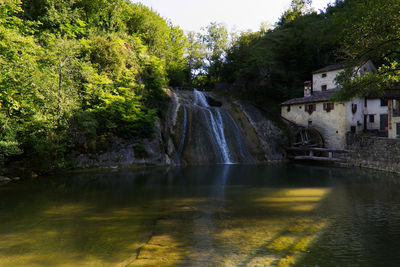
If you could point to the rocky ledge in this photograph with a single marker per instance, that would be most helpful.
(127, 153)
(5, 180)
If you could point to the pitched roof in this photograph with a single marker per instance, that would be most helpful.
(318, 96)
(330, 68)
(389, 94)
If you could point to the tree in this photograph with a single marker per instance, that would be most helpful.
(76, 72)
(216, 41)
(297, 9)
(369, 30)
(174, 59)
(18, 62)
(196, 51)
(272, 65)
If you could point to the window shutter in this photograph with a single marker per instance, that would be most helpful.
(354, 108)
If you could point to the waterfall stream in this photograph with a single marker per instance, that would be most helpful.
(208, 134)
(213, 115)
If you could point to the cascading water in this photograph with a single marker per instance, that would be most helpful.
(208, 134)
(213, 115)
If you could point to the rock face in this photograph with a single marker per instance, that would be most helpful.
(174, 128)
(213, 138)
(264, 137)
(192, 133)
(128, 153)
(249, 136)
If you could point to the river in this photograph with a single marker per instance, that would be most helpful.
(224, 215)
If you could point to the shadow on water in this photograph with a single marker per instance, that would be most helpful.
(229, 215)
(364, 227)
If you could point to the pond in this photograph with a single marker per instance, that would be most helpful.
(224, 215)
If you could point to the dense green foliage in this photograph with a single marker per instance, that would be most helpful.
(271, 65)
(74, 72)
(369, 30)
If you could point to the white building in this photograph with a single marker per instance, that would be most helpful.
(334, 119)
(393, 118)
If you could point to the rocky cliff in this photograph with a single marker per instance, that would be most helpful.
(185, 137)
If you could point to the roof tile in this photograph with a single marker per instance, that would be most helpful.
(318, 96)
(330, 68)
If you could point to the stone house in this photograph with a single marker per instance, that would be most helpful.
(334, 119)
(393, 100)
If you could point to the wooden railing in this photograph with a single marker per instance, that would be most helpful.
(310, 151)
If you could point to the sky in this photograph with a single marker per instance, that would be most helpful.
(237, 15)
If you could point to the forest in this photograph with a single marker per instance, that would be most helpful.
(75, 73)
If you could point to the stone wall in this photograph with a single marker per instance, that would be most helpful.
(374, 152)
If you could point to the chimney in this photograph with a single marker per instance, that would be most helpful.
(307, 88)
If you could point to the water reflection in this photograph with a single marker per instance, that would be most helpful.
(228, 215)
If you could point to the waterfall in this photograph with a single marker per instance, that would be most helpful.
(200, 99)
(213, 115)
(207, 134)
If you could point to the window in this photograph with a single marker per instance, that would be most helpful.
(354, 108)
(323, 87)
(371, 118)
(398, 129)
(288, 108)
(323, 75)
(384, 102)
(365, 122)
(396, 108)
(328, 106)
(310, 108)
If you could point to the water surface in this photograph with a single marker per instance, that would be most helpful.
(226, 215)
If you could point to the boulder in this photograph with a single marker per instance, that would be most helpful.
(4, 179)
(213, 102)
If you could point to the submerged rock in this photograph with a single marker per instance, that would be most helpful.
(4, 180)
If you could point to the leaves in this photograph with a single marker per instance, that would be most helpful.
(273, 64)
(76, 71)
(370, 30)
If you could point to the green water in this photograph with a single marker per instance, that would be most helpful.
(285, 215)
